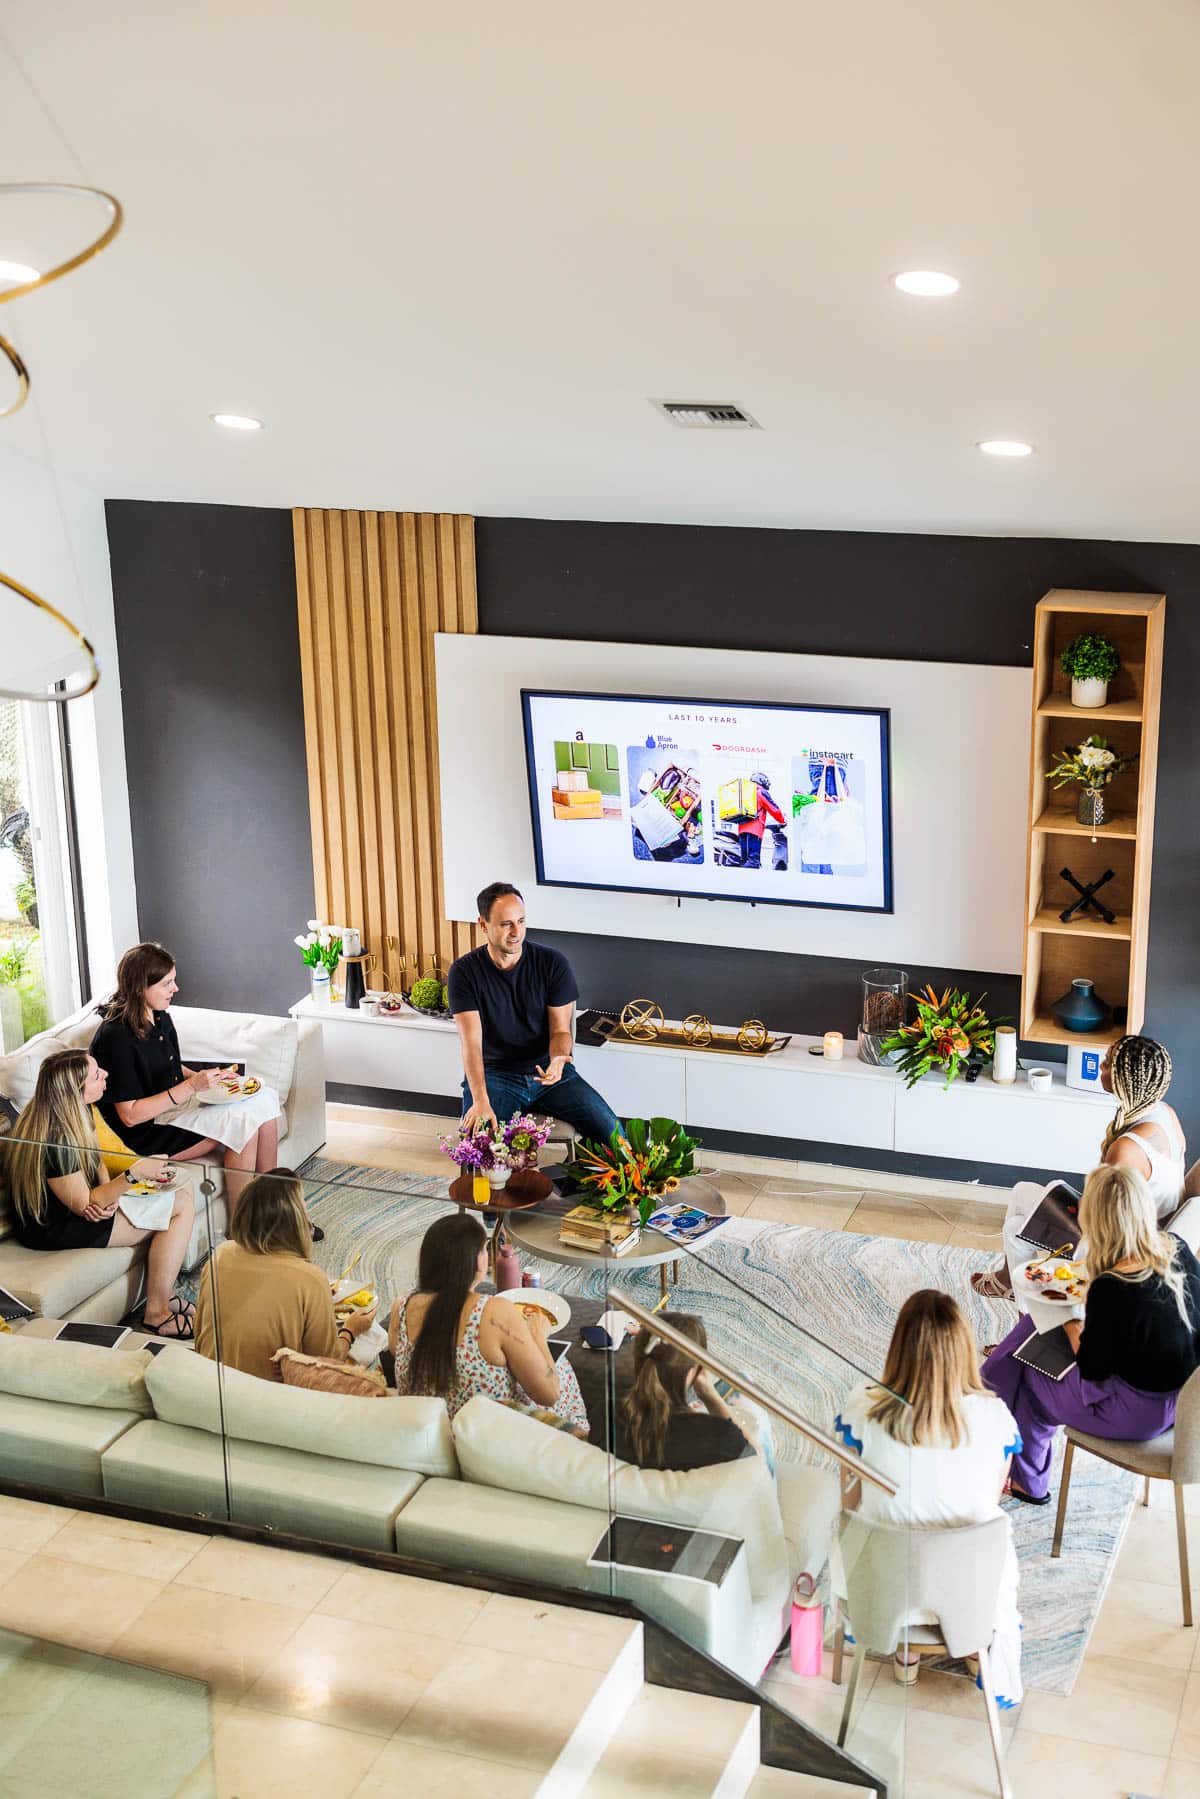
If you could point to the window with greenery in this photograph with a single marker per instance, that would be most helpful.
(39, 980)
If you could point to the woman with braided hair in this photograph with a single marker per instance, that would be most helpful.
(1144, 1135)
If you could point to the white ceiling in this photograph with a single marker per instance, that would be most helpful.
(449, 253)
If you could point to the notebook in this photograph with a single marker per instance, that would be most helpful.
(1055, 1222)
(12, 1308)
(103, 1336)
(1049, 1352)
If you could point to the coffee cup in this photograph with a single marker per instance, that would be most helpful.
(1040, 1080)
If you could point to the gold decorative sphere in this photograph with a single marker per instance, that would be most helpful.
(753, 1035)
(642, 1019)
(697, 1030)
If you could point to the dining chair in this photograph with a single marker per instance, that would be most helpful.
(1175, 1456)
(954, 1574)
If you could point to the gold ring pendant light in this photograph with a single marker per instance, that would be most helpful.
(16, 363)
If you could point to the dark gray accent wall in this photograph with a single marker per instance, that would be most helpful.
(936, 599)
(206, 622)
(205, 600)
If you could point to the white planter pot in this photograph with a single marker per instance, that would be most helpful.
(1090, 693)
(498, 1178)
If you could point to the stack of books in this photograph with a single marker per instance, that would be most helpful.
(585, 1228)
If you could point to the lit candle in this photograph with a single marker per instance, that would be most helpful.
(834, 1043)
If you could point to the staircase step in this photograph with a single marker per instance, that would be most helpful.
(778, 1783)
(680, 1746)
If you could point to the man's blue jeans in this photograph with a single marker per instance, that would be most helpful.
(572, 1099)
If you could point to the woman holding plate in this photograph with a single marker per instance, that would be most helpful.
(61, 1199)
(151, 1093)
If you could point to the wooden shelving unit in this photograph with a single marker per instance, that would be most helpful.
(1113, 956)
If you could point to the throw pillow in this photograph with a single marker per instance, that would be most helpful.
(322, 1374)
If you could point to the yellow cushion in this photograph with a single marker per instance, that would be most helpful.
(116, 1157)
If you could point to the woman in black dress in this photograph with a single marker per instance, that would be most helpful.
(657, 1425)
(62, 1200)
(147, 1082)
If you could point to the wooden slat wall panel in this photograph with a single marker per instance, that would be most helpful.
(373, 588)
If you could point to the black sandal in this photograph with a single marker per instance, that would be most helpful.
(179, 1315)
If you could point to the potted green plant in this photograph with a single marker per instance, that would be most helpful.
(952, 1032)
(1091, 660)
(1093, 764)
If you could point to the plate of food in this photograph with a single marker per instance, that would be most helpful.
(137, 1188)
(538, 1306)
(230, 1088)
(1055, 1278)
(348, 1296)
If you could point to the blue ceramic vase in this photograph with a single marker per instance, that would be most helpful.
(1081, 1009)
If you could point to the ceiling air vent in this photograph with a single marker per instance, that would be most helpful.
(707, 415)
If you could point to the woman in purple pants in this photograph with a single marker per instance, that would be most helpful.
(1137, 1345)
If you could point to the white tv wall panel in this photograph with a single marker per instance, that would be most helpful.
(960, 759)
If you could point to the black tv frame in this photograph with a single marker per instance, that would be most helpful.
(882, 713)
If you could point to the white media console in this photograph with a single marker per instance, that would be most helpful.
(789, 1094)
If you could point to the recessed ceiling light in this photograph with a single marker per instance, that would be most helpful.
(929, 284)
(1005, 446)
(236, 421)
(16, 274)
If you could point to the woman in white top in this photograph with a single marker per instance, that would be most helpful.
(935, 1430)
(1144, 1135)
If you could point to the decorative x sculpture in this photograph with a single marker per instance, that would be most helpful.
(1087, 901)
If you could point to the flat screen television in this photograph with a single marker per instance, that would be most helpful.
(711, 799)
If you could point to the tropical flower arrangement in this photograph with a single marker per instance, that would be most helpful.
(951, 1032)
(320, 946)
(1092, 763)
(635, 1167)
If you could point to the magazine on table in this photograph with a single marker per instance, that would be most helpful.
(1054, 1226)
(685, 1224)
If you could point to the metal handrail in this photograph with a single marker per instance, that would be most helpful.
(777, 1407)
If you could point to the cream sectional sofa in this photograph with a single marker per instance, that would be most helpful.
(102, 1285)
(495, 1491)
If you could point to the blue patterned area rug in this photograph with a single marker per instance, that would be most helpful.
(808, 1313)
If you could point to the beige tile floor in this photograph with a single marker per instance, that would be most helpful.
(1132, 1725)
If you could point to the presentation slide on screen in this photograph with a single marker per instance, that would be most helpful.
(719, 800)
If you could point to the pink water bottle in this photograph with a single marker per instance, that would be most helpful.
(808, 1619)
(507, 1271)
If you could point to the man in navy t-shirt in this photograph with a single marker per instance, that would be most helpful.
(512, 1002)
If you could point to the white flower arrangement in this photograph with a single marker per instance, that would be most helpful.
(321, 944)
(1092, 763)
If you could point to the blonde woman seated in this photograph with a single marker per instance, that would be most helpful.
(932, 1428)
(262, 1291)
(452, 1342)
(1145, 1134)
(62, 1199)
(1137, 1344)
(657, 1424)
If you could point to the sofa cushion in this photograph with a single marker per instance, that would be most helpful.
(55, 1282)
(52, 1445)
(75, 1373)
(267, 1046)
(404, 1433)
(168, 1467)
(499, 1448)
